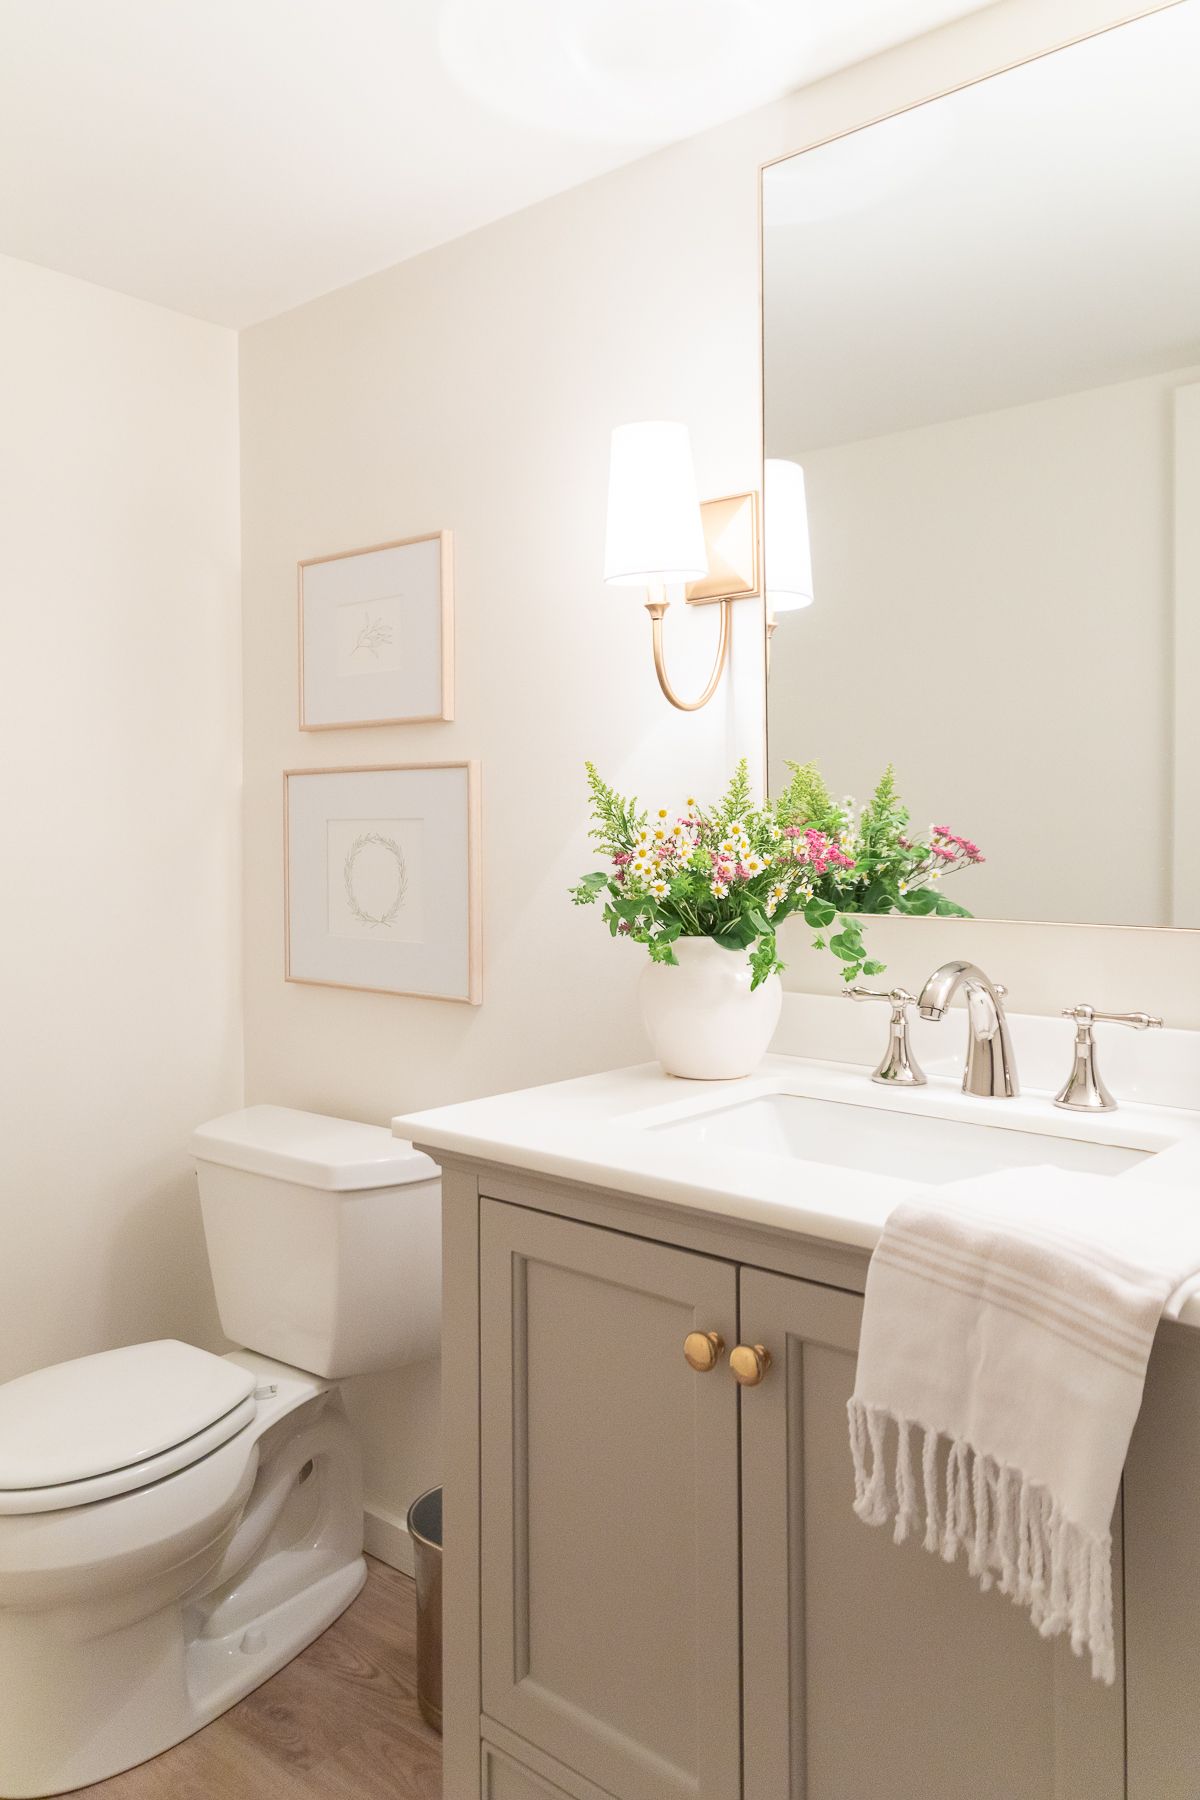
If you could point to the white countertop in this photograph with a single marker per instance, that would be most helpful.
(607, 1130)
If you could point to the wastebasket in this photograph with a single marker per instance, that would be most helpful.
(425, 1529)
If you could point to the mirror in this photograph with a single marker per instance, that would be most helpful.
(981, 345)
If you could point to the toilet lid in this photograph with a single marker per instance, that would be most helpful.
(100, 1413)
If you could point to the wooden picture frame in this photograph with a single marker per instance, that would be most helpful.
(375, 630)
(382, 879)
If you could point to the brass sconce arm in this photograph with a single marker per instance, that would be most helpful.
(656, 609)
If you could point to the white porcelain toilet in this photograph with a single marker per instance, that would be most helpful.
(174, 1525)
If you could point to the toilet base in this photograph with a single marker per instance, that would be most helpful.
(222, 1671)
(124, 1668)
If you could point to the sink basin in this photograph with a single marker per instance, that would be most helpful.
(909, 1146)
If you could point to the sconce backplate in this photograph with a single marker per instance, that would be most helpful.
(731, 538)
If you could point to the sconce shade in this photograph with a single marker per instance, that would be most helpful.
(788, 555)
(654, 530)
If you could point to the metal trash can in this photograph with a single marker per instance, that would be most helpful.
(425, 1529)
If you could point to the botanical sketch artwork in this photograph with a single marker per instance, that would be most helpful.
(376, 635)
(370, 640)
(374, 878)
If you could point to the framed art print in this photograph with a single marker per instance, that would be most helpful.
(377, 635)
(382, 879)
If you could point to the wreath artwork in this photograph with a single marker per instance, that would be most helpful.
(352, 901)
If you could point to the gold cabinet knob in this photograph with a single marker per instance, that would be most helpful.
(703, 1350)
(749, 1363)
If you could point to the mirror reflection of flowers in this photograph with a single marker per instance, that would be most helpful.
(734, 871)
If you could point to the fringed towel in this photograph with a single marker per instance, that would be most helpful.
(1006, 1331)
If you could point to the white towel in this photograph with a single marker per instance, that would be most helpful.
(1012, 1317)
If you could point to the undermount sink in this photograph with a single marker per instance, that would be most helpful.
(909, 1146)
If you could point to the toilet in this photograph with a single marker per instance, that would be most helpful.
(176, 1525)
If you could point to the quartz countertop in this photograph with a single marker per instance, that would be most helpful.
(620, 1130)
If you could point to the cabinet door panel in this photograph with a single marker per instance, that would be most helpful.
(609, 1506)
(871, 1668)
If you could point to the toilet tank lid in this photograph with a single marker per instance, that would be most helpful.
(339, 1155)
(112, 1410)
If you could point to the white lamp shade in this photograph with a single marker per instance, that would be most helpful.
(654, 528)
(788, 555)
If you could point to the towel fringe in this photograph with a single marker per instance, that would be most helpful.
(1008, 1526)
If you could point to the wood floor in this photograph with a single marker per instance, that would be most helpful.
(339, 1723)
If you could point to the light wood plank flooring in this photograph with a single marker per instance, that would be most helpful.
(339, 1723)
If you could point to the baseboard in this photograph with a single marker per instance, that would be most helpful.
(385, 1536)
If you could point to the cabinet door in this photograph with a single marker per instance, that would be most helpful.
(871, 1668)
(609, 1506)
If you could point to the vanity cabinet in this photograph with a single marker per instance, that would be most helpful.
(870, 1669)
(609, 1506)
(676, 1598)
(655, 1585)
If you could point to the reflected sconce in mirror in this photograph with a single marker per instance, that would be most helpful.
(788, 552)
(660, 536)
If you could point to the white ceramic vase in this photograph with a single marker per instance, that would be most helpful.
(702, 1017)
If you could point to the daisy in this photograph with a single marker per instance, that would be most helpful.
(778, 893)
(660, 889)
(728, 847)
(718, 889)
(662, 815)
(753, 863)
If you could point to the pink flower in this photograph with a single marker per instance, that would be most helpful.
(743, 873)
(624, 928)
(622, 857)
(724, 870)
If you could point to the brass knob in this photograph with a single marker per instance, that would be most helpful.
(749, 1363)
(703, 1350)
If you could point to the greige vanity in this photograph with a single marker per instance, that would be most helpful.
(655, 1584)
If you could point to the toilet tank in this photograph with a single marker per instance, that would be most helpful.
(324, 1239)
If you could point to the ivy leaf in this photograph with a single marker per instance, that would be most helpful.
(917, 905)
(848, 945)
(873, 968)
(819, 914)
(950, 909)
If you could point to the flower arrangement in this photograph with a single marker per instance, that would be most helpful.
(733, 872)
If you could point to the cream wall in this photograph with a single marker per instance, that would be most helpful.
(120, 726)
(475, 388)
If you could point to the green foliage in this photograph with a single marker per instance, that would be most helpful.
(736, 802)
(614, 820)
(735, 873)
(805, 800)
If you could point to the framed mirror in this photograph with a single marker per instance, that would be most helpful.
(981, 367)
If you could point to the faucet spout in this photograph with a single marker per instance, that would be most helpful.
(991, 1066)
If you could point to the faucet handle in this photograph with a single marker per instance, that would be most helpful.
(1087, 1016)
(899, 1067)
(1085, 1090)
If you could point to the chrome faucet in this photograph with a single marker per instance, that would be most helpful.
(991, 1068)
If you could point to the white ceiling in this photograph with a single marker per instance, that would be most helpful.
(233, 158)
(1031, 236)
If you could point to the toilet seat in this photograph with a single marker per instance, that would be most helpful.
(109, 1424)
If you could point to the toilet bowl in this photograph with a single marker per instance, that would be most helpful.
(175, 1525)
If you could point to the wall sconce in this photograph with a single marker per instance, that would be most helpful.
(659, 535)
(788, 552)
